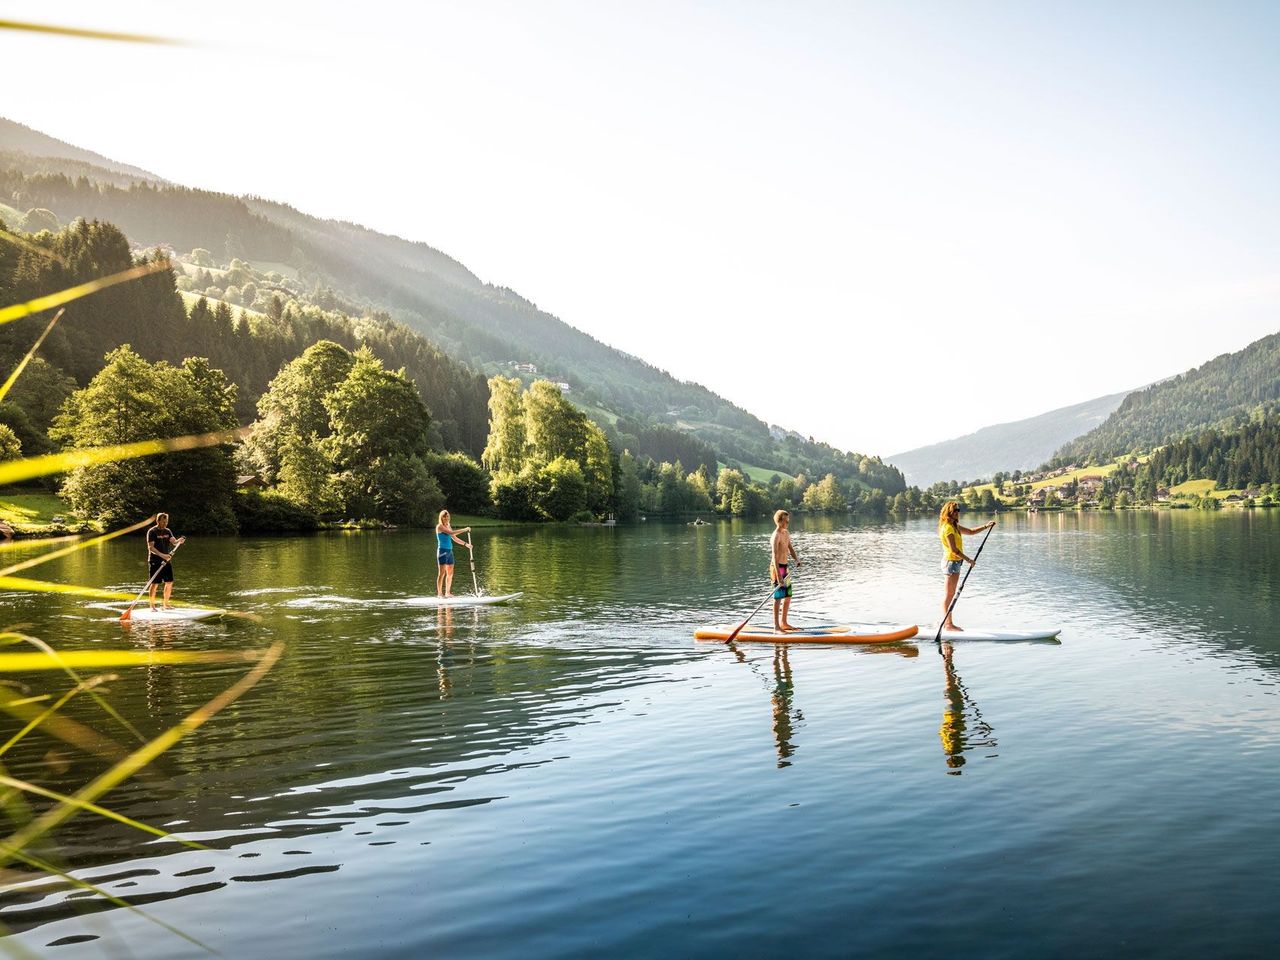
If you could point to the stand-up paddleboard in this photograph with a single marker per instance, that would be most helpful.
(1033, 633)
(466, 600)
(837, 633)
(174, 614)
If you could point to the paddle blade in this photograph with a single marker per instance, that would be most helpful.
(128, 614)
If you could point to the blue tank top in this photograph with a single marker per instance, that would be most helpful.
(444, 542)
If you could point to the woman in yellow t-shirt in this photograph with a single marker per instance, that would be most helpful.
(950, 532)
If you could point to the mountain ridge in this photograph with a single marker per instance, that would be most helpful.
(1016, 445)
(486, 326)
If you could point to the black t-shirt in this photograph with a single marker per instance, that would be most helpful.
(161, 538)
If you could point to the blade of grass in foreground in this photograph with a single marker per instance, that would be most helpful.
(111, 659)
(44, 715)
(48, 651)
(45, 867)
(64, 551)
(142, 756)
(15, 471)
(49, 301)
(82, 32)
(15, 784)
(22, 364)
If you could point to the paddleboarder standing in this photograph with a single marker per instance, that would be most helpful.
(779, 569)
(160, 546)
(446, 537)
(951, 534)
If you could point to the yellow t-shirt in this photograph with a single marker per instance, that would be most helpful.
(945, 529)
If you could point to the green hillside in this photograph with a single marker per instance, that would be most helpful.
(346, 267)
(1225, 391)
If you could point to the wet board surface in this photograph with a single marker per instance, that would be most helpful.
(173, 615)
(824, 633)
(459, 601)
(1021, 633)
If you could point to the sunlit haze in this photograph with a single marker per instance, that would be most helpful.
(881, 224)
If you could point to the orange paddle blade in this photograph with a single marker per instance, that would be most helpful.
(128, 614)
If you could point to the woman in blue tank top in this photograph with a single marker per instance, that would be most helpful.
(446, 537)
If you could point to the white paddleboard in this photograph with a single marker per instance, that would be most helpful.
(462, 600)
(1038, 633)
(173, 615)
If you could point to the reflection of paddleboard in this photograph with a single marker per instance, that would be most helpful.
(1044, 633)
(842, 633)
(459, 601)
(174, 614)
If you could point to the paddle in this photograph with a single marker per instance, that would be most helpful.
(128, 612)
(738, 629)
(472, 555)
(937, 637)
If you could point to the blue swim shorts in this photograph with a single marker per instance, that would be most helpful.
(952, 566)
(444, 558)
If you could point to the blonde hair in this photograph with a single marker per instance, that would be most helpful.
(166, 519)
(440, 519)
(778, 515)
(950, 513)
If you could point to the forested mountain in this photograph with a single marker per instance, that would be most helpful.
(149, 314)
(1224, 391)
(15, 136)
(1239, 459)
(1019, 445)
(486, 326)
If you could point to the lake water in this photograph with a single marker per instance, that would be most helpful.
(573, 776)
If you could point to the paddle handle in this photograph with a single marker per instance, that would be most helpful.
(937, 637)
(128, 611)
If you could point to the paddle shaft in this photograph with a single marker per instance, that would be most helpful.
(738, 629)
(129, 609)
(472, 555)
(937, 637)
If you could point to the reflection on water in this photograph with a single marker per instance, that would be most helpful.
(571, 775)
(963, 727)
(783, 717)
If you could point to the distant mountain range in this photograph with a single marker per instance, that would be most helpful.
(490, 328)
(1021, 445)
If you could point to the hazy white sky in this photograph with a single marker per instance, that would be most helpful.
(882, 224)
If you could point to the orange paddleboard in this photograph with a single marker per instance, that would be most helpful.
(839, 633)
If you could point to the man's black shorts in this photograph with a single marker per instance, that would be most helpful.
(166, 575)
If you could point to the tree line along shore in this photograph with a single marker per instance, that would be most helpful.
(361, 421)
(350, 421)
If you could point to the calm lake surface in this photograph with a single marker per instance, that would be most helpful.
(574, 776)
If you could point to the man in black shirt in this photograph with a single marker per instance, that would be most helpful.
(160, 546)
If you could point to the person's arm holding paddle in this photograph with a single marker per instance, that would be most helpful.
(160, 546)
(951, 534)
(968, 533)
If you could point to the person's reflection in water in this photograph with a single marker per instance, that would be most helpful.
(959, 712)
(444, 623)
(162, 698)
(783, 691)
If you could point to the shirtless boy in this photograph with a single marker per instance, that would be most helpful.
(779, 576)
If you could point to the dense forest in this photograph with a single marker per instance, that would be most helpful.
(1235, 460)
(1222, 393)
(149, 314)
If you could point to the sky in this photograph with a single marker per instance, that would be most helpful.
(880, 224)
